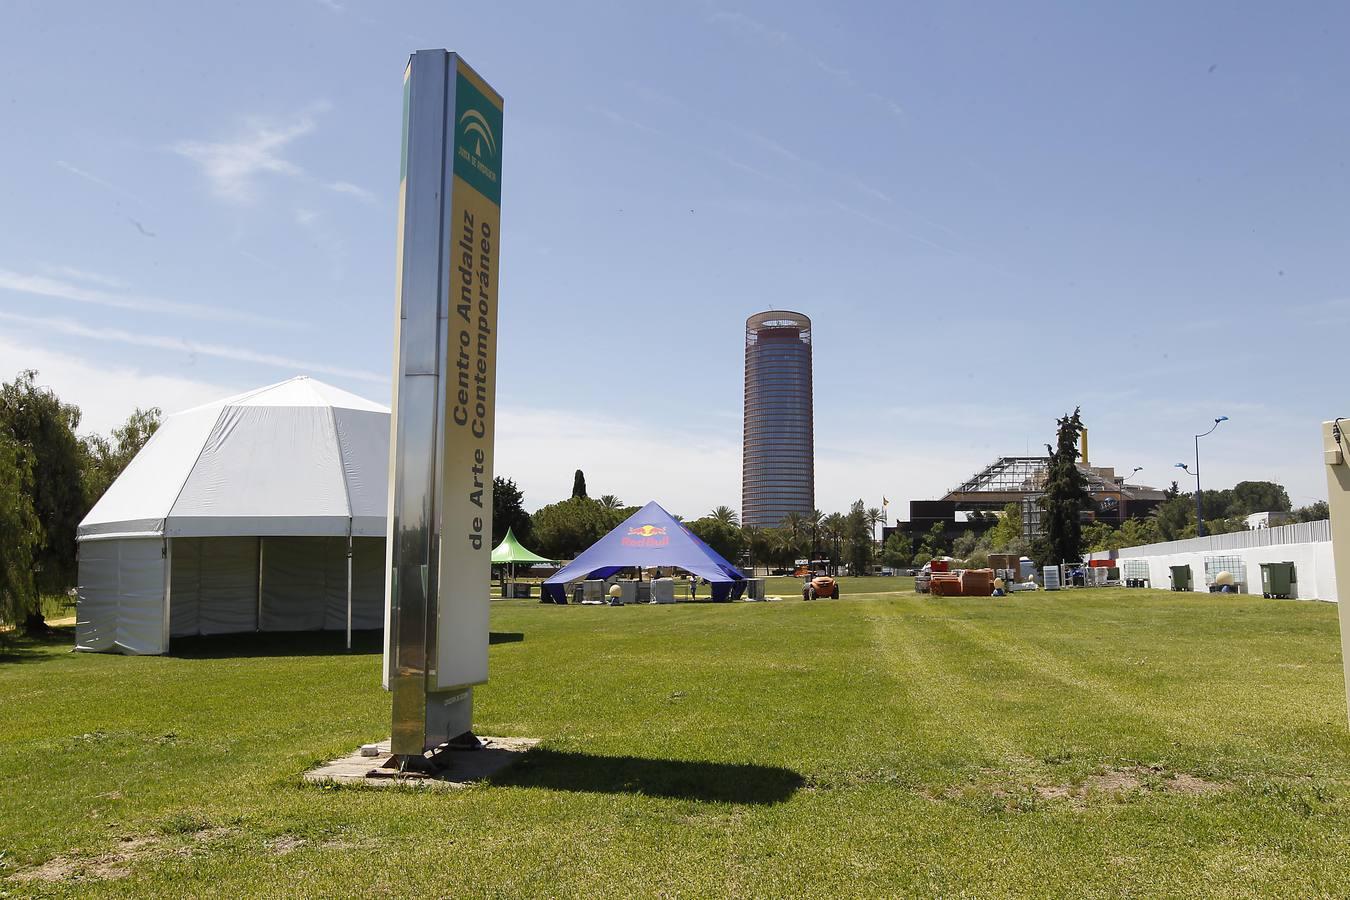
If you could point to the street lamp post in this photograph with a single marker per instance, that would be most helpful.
(1199, 516)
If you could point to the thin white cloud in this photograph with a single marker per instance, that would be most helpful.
(882, 223)
(620, 119)
(94, 179)
(891, 106)
(42, 286)
(107, 394)
(108, 281)
(233, 167)
(741, 22)
(871, 191)
(351, 190)
(843, 76)
(772, 145)
(306, 217)
(182, 345)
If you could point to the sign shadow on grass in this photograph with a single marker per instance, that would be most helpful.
(294, 643)
(705, 782)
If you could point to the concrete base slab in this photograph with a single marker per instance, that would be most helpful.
(465, 767)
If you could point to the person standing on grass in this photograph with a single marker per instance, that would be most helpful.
(693, 587)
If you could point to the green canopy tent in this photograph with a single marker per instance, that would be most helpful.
(509, 552)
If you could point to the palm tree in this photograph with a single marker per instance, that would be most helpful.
(875, 517)
(754, 536)
(834, 528)
(609, 501)
(725, 515)
(814, 519)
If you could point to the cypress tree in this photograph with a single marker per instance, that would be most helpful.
(579, 484)
(1066, 495)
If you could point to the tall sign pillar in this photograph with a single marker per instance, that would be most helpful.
(1336, 455)
(445, 388)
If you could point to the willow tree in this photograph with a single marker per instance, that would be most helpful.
(1066, 496)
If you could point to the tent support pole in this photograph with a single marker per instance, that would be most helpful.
(349, 585)
(257, 624)
(168, 590)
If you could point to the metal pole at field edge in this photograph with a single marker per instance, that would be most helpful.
(1199, 514)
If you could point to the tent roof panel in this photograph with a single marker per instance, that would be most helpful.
(141, 497)
(250, 467)
(298, 391)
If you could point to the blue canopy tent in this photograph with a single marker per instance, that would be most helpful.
(650, 537)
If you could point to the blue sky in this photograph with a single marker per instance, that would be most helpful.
(992, 214)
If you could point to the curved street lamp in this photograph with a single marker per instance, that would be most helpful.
(1199, 516)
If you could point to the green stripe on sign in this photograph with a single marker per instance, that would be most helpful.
(478, 140)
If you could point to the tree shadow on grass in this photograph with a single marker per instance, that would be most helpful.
(706, 782)
(16, 647)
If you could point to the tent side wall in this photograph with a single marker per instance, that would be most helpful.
(122, 595)
(303, 580)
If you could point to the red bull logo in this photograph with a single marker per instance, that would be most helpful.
(646, 536)
(646, 530)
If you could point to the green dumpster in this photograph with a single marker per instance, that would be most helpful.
(1278, 580)
(1181, 578)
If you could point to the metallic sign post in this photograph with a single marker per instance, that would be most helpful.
(445, 388)
(1336, 454)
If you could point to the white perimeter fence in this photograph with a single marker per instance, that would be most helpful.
(1306, 544)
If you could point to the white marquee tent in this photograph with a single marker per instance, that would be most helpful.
(264, 511)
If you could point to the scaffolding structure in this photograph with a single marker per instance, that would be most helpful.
(1022, 480)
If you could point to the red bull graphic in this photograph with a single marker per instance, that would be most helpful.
(646, 536)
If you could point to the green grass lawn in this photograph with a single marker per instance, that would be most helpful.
(1103, 742)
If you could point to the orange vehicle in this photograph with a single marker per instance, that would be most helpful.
(821, 586)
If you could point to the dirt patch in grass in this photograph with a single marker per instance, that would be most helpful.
(285, 843)
(1129, 780)
(115, 863)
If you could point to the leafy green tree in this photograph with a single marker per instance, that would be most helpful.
(579, 484)
(1008, 530)
(1138, 532)
(562, 530)
(508, 512)
(1066, 495)
(1175, 518)
(106, 458)
(1099, 536)
(723, 537)
(20, 532)
(36, 419)
(1313, 512)
(964, 545)
(898, 551)
(1258, 496)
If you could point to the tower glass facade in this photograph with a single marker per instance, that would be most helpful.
(778, 473)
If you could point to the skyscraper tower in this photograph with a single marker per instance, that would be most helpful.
(778, 473)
